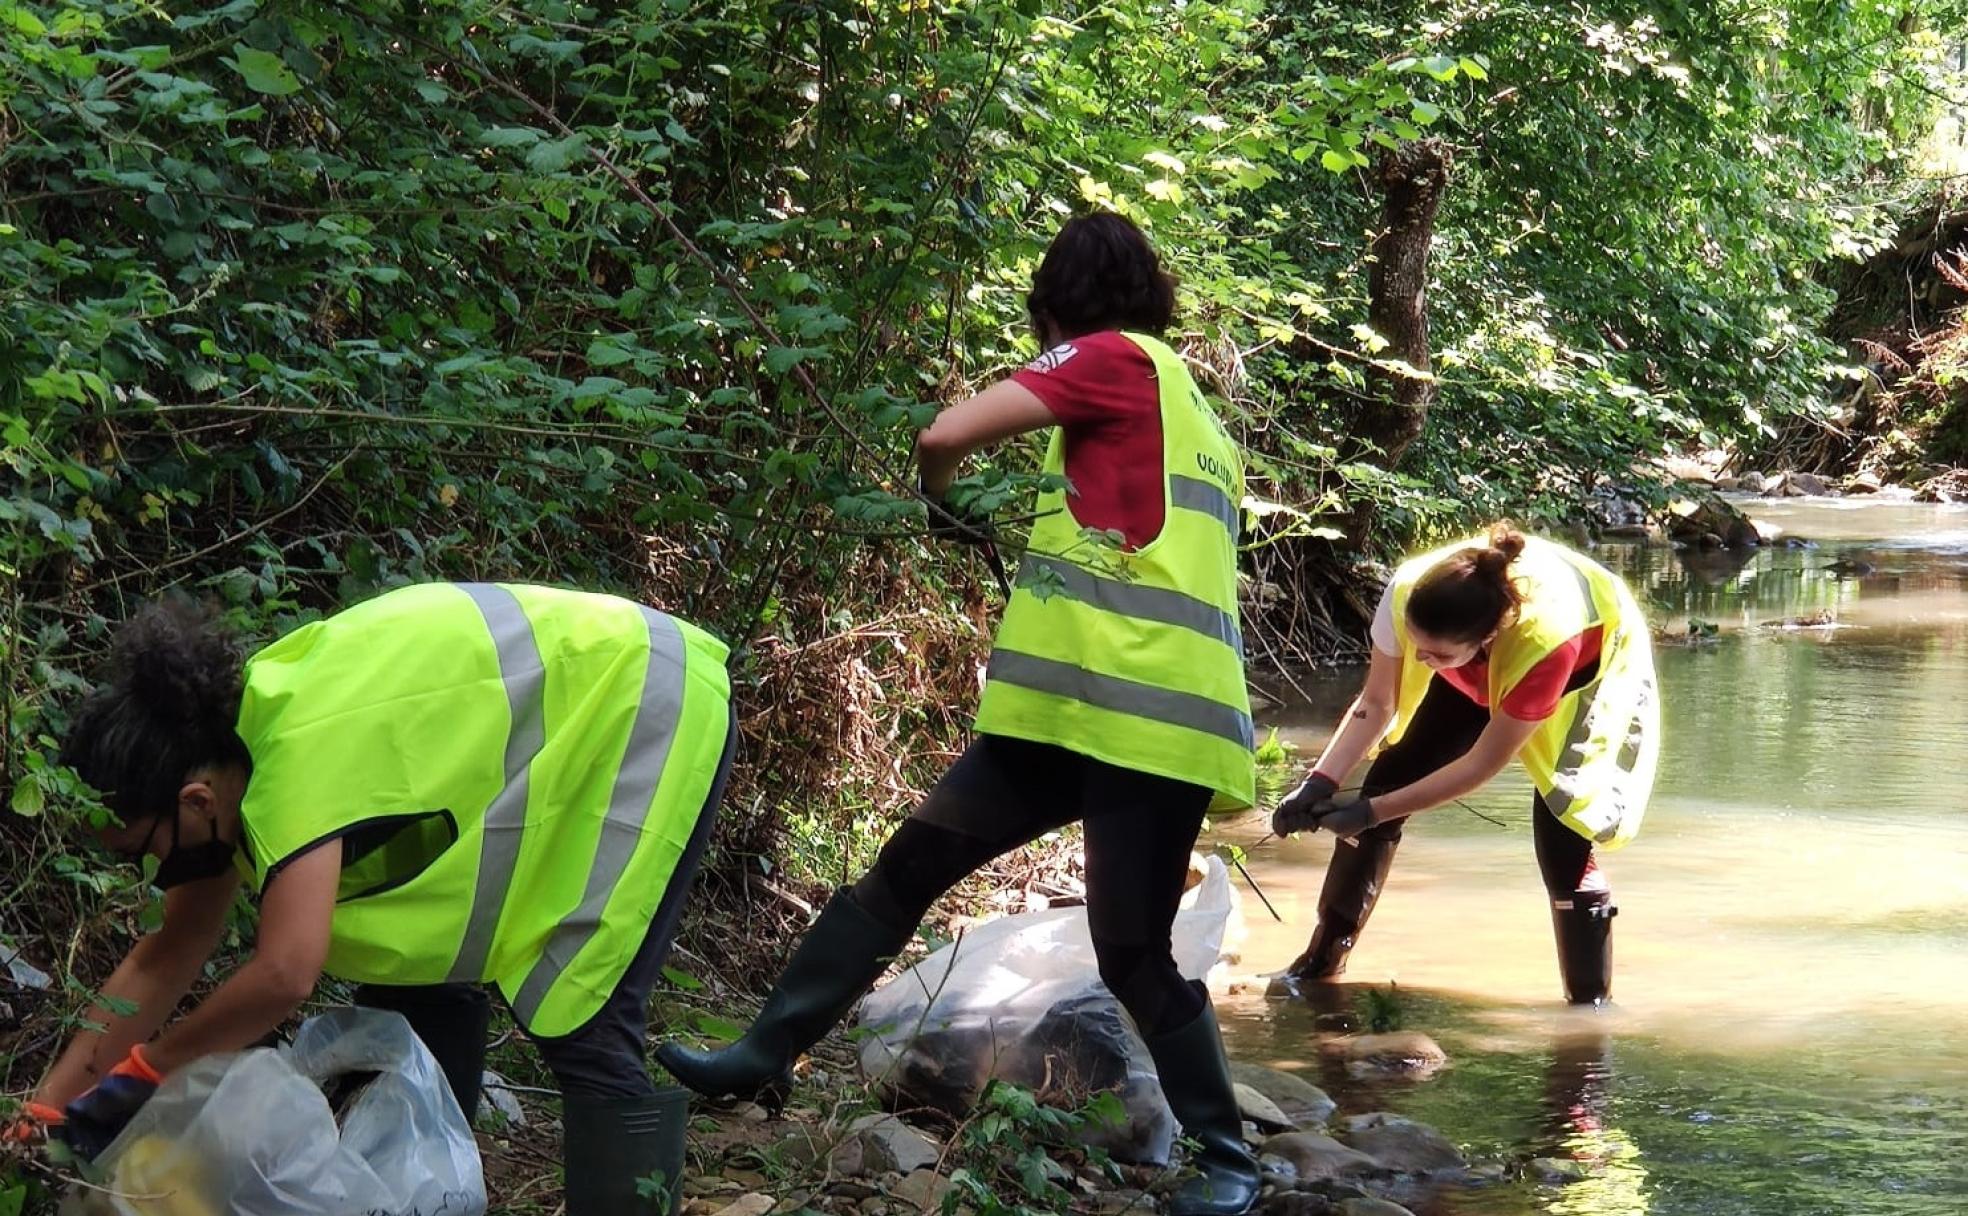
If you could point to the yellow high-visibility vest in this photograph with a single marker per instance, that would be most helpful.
(521, 766)
(1594, 759)
(1136, 658)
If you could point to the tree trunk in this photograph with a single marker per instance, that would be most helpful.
(1411, 179)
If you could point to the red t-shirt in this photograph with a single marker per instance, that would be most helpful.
(1536, 696)
(1102, 389)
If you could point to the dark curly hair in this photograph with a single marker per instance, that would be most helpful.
(169, 705)
(1468, 595)
(1099, 273)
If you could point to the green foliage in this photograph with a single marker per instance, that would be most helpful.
(1008, 1152)
(1382, 1009)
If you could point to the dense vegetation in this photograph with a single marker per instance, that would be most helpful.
(301, 300)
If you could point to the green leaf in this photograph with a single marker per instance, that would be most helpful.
(1441, 67)
(31, 26)
(1334, 161)
(554, 155)
(1473, 68)
(265, 72)
(683, 980)
(556, 208)
(12, 1200)
(29, 798)
(508, 137)
(711, 1026)
(1425, 113)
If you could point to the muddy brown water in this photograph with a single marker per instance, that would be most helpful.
(1791, 952)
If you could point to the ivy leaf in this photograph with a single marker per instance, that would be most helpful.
(29, 798)
(265, 72)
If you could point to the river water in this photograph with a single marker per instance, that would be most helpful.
(1791, 954)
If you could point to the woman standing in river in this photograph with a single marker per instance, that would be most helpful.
(1115, 695)
(1498, 647)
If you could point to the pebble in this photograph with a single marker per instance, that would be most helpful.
(1557, 1171)
(752, 1112)
(749, 1205)
(922, 1189)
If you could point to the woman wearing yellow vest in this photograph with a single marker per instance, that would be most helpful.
(1495, 648)
(448, 785)
(1115, 694)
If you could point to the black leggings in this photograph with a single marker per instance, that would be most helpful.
(1446, 724)
(1003, 793)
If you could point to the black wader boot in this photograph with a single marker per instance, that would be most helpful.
(1195, 1075)
(843, 953)
(624, 1156)
(1583, 926)
(1354, 879)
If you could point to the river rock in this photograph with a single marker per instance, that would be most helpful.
(879, 1143)
(1303, 1157)
(749, 1205)
(1401, 1144)
(923, 1188)
(1804, 485)
(1301, 1101)
(1372, 1207)
(1866, 482)
(1406, 1052)
(1557, 1171)
(1262, 1111)
(1710, 522)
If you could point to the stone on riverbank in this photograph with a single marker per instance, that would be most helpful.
(1402, 1052)
(1557, 1171)
(1304, 1103)
(1302, 1157)
(877, 1144)
(1400, 1144)
(1262, 1111)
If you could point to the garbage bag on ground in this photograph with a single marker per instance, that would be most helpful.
(253, 1133)
(1019, 999)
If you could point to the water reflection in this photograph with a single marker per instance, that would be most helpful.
(1793, 1036)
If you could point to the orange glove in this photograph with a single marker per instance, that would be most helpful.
(32, 1126)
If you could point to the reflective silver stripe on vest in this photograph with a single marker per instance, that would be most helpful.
(648, 753)
(1144, 603)
(525, 678)
(1124, 696)
(1194, 494)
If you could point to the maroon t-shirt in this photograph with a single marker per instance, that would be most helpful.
(1102, 389)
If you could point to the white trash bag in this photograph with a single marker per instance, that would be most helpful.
(1020, 999)
(252, 1134)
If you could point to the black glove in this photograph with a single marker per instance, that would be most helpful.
(948, 523)
(1295, 812)
(97, 1117)
(1344, 821)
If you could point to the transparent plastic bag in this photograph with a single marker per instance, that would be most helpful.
(1020, 999)
(252, 1133)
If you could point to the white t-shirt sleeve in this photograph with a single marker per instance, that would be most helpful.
(1384, 639)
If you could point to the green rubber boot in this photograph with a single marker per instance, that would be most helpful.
(843, 953)
(624, 1156)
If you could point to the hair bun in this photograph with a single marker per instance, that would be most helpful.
(179, 664)
(1506, 545)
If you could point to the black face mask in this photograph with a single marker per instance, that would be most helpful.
(193, 862)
